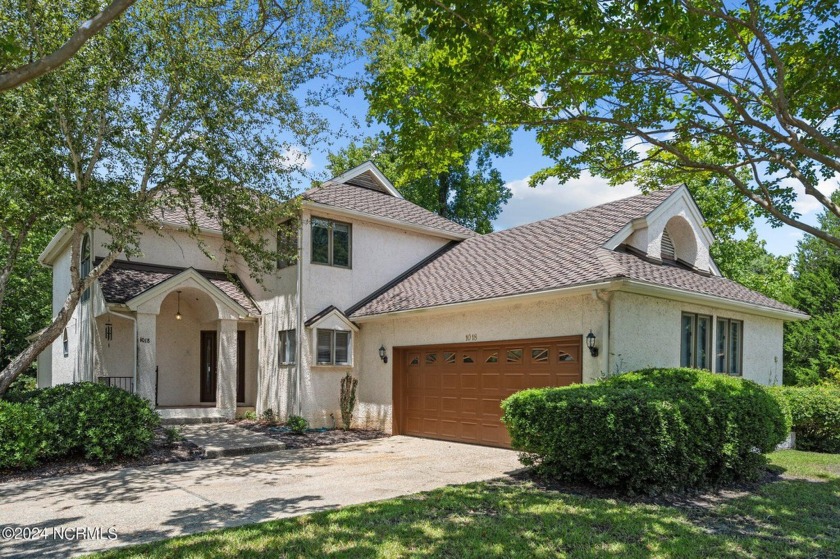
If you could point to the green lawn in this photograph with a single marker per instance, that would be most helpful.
(797, 516)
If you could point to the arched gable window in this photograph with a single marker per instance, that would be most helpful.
(667, 252)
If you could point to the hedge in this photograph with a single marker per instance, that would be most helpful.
(649, 431)
(815, 411)
(25, 435)
(98, 422)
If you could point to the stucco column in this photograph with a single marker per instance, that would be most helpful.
(146, 356)
(226, 375)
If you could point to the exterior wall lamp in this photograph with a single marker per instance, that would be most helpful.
(590, 343)
(383, 354)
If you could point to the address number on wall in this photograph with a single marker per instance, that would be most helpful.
(472, 337)
(145, 340)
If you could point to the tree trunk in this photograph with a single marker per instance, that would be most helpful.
(443, 194)
(28, 356)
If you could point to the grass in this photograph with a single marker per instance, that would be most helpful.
(796, 516)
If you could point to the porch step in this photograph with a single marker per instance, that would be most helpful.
(190, 416)
(229, 440)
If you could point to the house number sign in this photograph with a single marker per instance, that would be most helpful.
(472, 337)
(145, 340)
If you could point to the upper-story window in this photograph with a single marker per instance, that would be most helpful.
(331, 242)
(287, 244)
(85, 264)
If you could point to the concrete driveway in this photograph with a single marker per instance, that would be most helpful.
(158, 502)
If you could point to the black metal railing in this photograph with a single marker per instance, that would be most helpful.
(126, 383)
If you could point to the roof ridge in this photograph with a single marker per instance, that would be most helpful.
(669, 189)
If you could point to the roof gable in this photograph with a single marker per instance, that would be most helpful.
(367, 175)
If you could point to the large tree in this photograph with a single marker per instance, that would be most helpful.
(174, 105)
(22, 60)
(471, 193)
(812, 347)
(758, 82)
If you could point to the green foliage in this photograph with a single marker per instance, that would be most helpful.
(268, 415)
(649, 431)
(743, 91)
(297, 424)
(25, 435)
(173, 435)
(471, 192)
(348, 399)
(250, 415)
(812, 347)
(100, 422)
(174, 106)
(815, 411)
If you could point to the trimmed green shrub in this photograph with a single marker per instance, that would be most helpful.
(100, 422)
(25, 435)
(815, 411)
(649, 431)
(297, 424)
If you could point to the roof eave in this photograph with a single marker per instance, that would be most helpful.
(408, 226)
(672, 293)
(55, 247)
(517, 297)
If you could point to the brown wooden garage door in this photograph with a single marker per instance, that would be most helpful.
(454, 392)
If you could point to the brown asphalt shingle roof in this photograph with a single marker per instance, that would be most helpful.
(562, 251)
(124, 281)
(380, 204)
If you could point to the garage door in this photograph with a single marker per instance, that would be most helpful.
(454, 392)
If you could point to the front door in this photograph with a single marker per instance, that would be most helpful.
(209, 363)
(240, 366)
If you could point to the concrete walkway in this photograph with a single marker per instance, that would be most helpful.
(223, 439)
(158, 502)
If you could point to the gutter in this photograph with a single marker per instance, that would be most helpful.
(404, 225)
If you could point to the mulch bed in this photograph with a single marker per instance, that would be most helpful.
(312, 437)
(161, 452)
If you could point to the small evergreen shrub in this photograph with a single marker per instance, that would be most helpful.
(250, 415)
(100, 422)
(347, 399)
(25, 435)
(815, 411)
(297, 424)
(649, 431)
(268, 416)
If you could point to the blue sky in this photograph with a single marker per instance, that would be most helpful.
(531, 204)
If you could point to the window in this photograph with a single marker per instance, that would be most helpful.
(287, 345)
(333, 347)
(65, 344)
(84, 267)
(287, 240)
(331, 242)
(696, 341)
(729, 346)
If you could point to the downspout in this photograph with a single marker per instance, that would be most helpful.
(299, 336)
(607, 300)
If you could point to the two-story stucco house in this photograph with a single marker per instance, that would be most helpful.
(439, 324)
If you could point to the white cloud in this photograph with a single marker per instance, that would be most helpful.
(552, 198)
(294, 157)
(806, 204)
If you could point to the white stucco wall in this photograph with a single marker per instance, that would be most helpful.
(646, 333)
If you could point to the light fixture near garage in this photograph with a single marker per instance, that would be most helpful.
(590, 343)
(178, 315)
(383, 354)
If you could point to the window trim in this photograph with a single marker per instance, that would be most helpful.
(695, 319)
(331, 243)
(727, 330)
(283, 344)
(332, 361)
